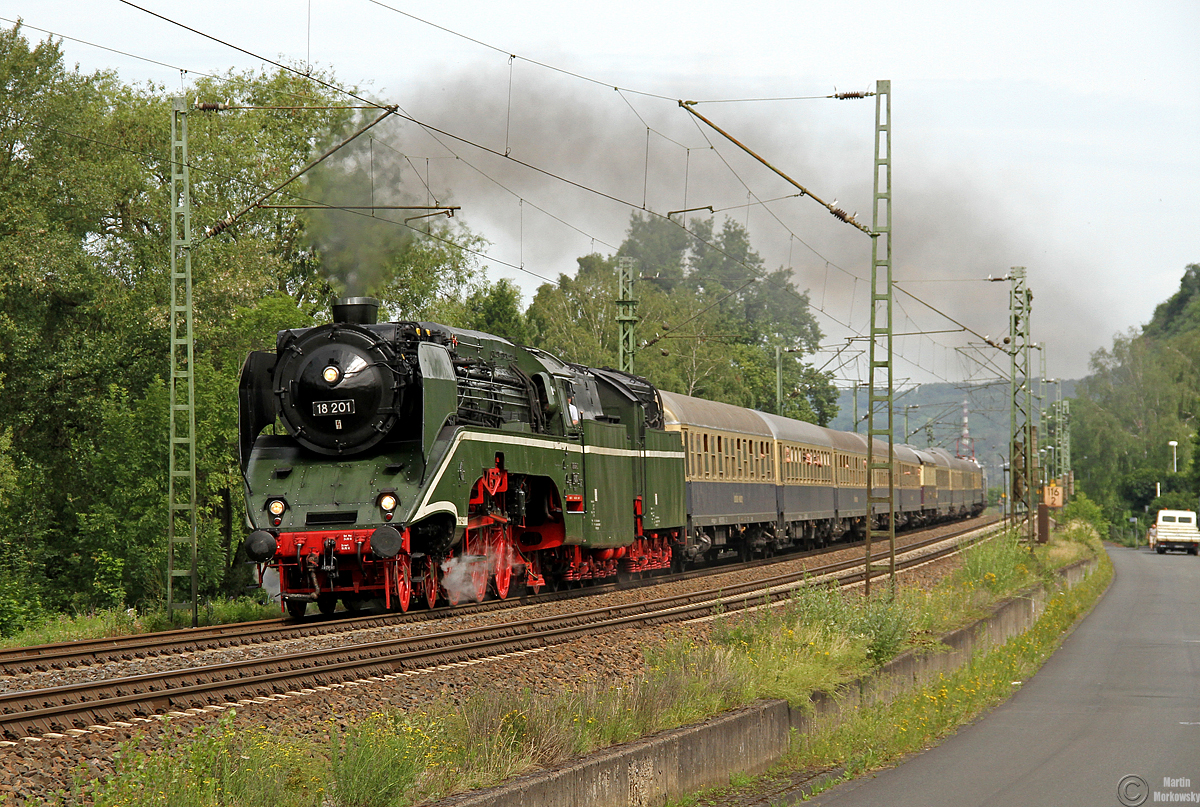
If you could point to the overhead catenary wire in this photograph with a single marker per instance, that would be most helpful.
(428, 127)
(152, 157)
(372, 104)
(840, 96)
(253, 55)
(489, 46)
(233, 217)
(621, 91)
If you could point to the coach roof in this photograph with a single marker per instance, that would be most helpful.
(797, 431)
(682, 410)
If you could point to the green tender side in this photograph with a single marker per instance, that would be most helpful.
(664, 503)
(608, 482)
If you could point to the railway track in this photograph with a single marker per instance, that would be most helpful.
(58, 711)
(23, 660)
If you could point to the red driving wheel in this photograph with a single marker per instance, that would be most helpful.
(404, 586)
(430, 585)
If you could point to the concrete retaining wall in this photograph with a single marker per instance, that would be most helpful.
(748, 740)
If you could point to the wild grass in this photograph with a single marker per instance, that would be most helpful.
(820, 638)
(212, 767)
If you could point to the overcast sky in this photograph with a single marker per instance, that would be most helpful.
(1060, 136)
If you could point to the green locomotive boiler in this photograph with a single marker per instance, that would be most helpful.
(383, 460)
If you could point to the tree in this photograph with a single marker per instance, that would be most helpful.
(659, 246)
(575, 319)
(496, 308)
(1181, 312)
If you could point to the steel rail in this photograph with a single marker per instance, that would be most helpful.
(64, 708)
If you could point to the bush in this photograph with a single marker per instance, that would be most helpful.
(15, 613)
(886, 626)
(1081, 508)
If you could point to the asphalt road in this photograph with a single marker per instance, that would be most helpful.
(1120, 698)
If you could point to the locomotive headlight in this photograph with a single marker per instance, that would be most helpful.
(388, 502)
(331, 374)
(276, 507)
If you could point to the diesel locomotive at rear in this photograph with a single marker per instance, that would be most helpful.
(401, 460)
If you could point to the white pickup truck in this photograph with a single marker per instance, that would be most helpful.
(1175, 529)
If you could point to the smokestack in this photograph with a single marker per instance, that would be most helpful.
(355, 310)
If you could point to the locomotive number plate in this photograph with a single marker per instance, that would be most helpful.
(333, 407)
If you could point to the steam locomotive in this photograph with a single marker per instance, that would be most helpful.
(406, 461)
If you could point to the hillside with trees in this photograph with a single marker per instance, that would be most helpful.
(931, 415)
(1142, 394)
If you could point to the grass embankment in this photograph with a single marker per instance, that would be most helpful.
(878, 737)
(103, 623)
(820, 638)
(882, 735)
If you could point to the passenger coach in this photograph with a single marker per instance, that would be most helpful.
(759, 483)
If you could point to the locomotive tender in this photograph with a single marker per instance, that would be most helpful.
(401, 459)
